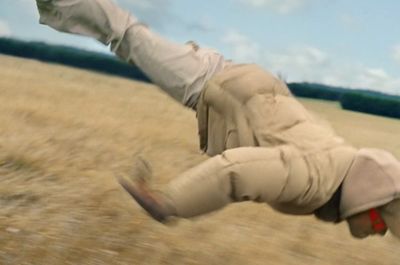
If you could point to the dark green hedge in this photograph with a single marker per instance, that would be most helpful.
(72, 57)
(318, 91)
(356, 100)
(368, 103)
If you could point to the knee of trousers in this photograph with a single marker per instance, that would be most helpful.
(257, 174)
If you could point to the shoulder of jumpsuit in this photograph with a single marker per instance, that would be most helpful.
(244, 81)
(372, 180)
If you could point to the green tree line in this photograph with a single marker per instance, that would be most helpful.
(318, 91)
(367, 102)
(360, 100)
(71, 56)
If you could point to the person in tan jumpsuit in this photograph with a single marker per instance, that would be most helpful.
(264, 145)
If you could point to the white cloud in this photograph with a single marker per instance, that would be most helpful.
(304, 63)
(378, 79)
(308, 63)
(350, 22)
(154, 12)
(242, 48)
(396, 53)
(203, 24)
(280, 6)
(312, 65)
(4, 29)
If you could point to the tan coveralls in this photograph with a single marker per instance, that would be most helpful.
(281, 154)
(298, 162)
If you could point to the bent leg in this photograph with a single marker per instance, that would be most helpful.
(247, 173)
(178, 69)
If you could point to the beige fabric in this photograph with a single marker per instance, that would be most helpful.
(99, 19)
(372, 181)
(258, 174)
(391, 216)
(178, 69)
(297, 167)
(282, 177)
(246, 106)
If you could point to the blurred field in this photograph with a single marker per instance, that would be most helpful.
(64, 136)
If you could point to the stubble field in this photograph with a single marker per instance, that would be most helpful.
(66, 133)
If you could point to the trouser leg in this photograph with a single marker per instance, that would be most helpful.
(178, 69)
(257, 174)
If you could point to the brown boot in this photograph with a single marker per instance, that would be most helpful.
(146, 199)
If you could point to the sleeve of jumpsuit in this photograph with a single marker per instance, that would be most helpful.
(270, 175)
(176, 68)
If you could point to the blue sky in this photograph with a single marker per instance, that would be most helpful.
(337, 42)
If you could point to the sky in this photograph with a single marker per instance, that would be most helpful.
(353, 44)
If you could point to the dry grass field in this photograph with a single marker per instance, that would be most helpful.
(66, 133)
